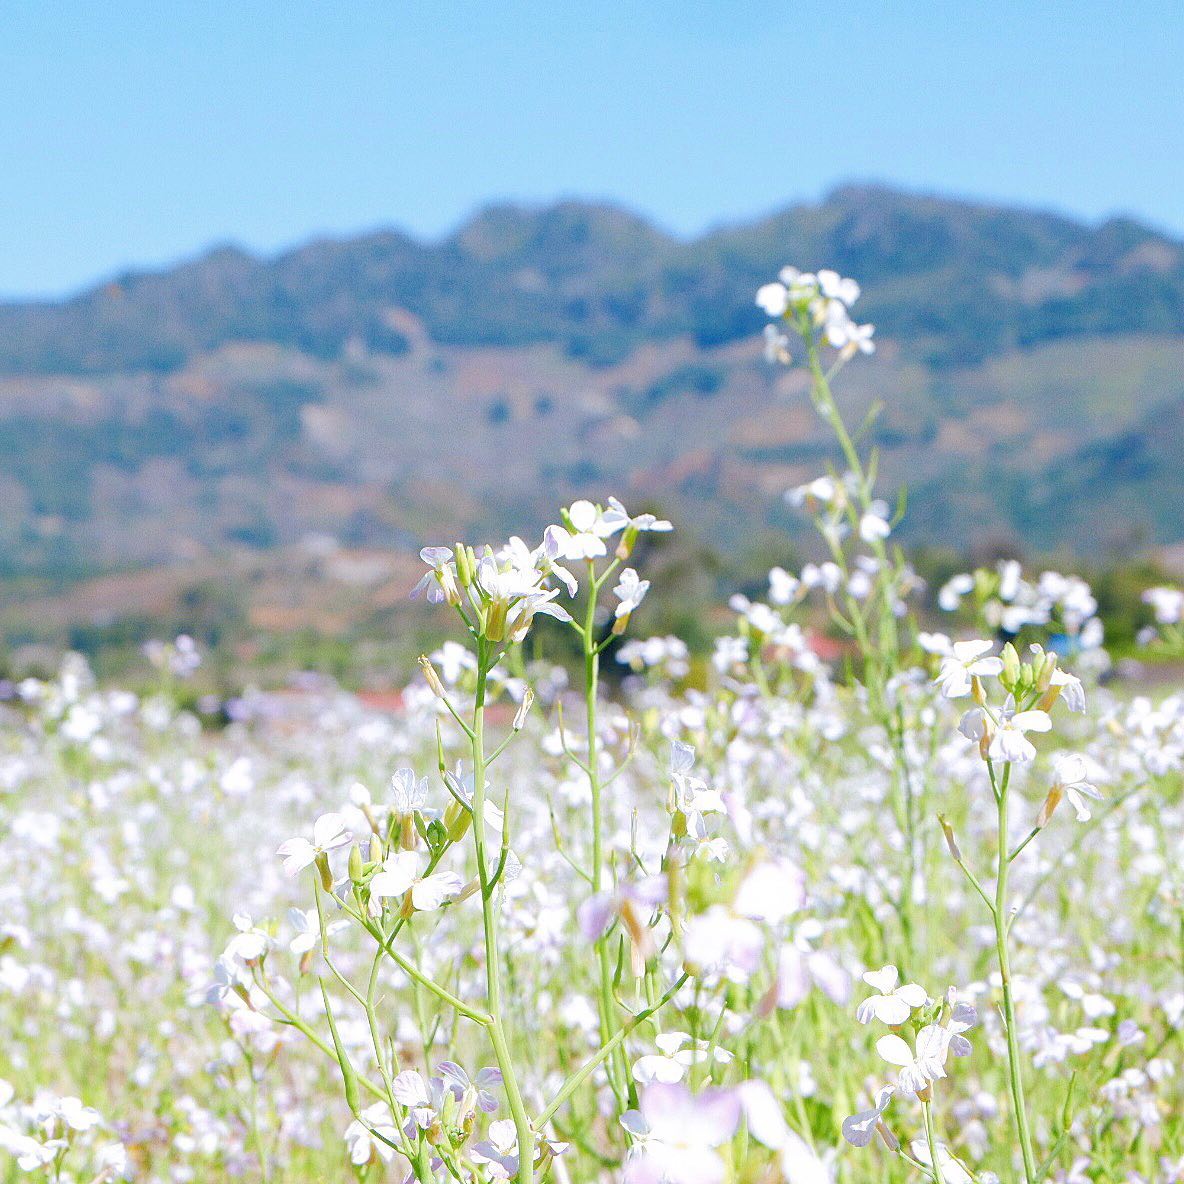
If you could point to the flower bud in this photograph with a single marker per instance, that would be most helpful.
(326, 873)
(355, 863)
(1045, 671)
(456, 821)
(951, 841)
(1010, 674)
(523, 710)
(447, 580)
(408, 835)
(495, 620)
(431, 676)
(375, 849)
(1050, 804)
(464, 566)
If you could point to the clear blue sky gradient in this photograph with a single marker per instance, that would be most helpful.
(137, 133)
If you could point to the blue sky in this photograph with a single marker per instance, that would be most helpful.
(135, 133)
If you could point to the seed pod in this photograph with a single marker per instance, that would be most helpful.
(348, 1076)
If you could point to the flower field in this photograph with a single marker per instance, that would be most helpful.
(910, 911)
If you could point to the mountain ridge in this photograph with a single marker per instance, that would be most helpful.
(381, 389)
(573, 270)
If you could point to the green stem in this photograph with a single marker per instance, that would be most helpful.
(493, 985)
(931, 1139)
(999, 914)
(578, 1078)
(618, 1070)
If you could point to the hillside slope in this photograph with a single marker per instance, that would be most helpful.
(382, 390)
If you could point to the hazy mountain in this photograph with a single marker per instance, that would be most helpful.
(379, 388)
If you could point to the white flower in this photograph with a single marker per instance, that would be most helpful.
(1072, 779)
(422, 1100)
(585, 539)
(366, 1147)
(308, 929)
(678, 1133)
(1166, 603)
(935, 643)
(678, 1053)
(783, 587)
(874, 524)
(772, 891)
(963, 1016)
(952, 1170)
(328, 833)
(440, 583)
(950, 596)
(249, 944)
(408, 793)
(1009, 742)
(859, 1128)
(776, 346)
(917, 1068)
(616, 517)
(630, 591)
(967, 661)
(400, 873)
(1072, 692)
(891, 1004)
(75, 1115)
(835, 287)
(773, 298)
(499, 1152)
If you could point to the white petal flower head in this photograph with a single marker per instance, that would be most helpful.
(1072, 779)
(678, 1133)
(968, 660)
(917, 1068)
(328, 833)
(874, 526)
(777, 346)
(891, 1004)
(400, 874)
(1072, 691)
(773, 299)
(616, 517)
(1009, 742)
(859, 1128)
(585, 538)
(630, 592)
(963, 1016)
(836, 287)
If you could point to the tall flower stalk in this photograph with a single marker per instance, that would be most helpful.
(488, 876)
